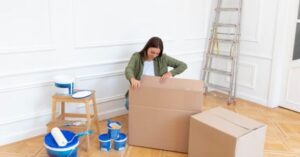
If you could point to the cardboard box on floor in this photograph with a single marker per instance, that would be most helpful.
(222, 133)
(159, 112)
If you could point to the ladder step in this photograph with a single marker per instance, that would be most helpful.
(227, 9)
(224, 40)
(220, 56)
(218, 87)
(221, 33)
(222, 72)
(225, 25)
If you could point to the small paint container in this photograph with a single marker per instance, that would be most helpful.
(105, 142)
(64, 84)
(120, 143)
(113, 129)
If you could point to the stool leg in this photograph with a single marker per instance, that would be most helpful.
(88, 116)
(62, 110)
(53, 110)
(96, 114)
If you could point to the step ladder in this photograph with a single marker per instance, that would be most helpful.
(226, 34)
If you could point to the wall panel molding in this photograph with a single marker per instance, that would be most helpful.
(196, 38)
(24, 117)
(33, 48)
(82, 77)
(291, 90)
(256, 37)
(110, 62)
(65, 68)
(102, 75)
(99, 101)
(50, 82)
(253, 67)
(248, 54)
(84, 45)
(26, 86)
(187, 53)
(26, 50)
(107, 44)
(106, 99)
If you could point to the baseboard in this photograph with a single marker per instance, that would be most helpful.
(247, 97)
(254, 99)
(22, 135)
(112, 113)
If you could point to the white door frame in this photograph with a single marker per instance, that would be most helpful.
(286, 100)
(282, 54)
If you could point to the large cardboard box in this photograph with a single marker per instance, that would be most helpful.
(159, 112)
(223, 133)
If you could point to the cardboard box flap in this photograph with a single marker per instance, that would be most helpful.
(178, 94)
(220, 124)
(236, 118)
(171, 83)
(177, 100)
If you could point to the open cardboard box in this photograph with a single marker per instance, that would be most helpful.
(159, 112)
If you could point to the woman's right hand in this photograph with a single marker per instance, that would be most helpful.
(135, 83)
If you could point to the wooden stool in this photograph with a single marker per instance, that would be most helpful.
(60, 121)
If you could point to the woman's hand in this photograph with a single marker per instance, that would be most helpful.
(166, 76)
(135, 83)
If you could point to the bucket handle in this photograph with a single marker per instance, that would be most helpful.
(80, 134)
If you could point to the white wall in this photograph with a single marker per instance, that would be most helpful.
(256, 53)
(93, 41)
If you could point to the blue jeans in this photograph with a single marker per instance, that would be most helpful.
(126, 103)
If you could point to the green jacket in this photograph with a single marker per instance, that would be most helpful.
(161, 64)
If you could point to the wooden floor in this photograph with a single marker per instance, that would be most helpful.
(283, 134)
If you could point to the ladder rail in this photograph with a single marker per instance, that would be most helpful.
(209, 49)
(238, 47)
(233, 80)
(215, 29)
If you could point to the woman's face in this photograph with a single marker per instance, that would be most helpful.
(152, 52)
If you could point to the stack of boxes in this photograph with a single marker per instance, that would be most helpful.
(166, 115)
(113, 137)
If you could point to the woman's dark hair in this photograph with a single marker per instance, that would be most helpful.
(155, 42)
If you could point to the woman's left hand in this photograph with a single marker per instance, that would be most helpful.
(166, 76)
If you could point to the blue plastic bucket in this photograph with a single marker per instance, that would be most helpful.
(53, 150)
(120, 143)
(105, 142)
(64, 84)
(114, 129)
(67, 88)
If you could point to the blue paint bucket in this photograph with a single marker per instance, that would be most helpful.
(53, 150)
(105, 142)
(114, 129)
(120, 143)
(64, 84)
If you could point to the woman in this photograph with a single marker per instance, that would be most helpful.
(152, 62)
